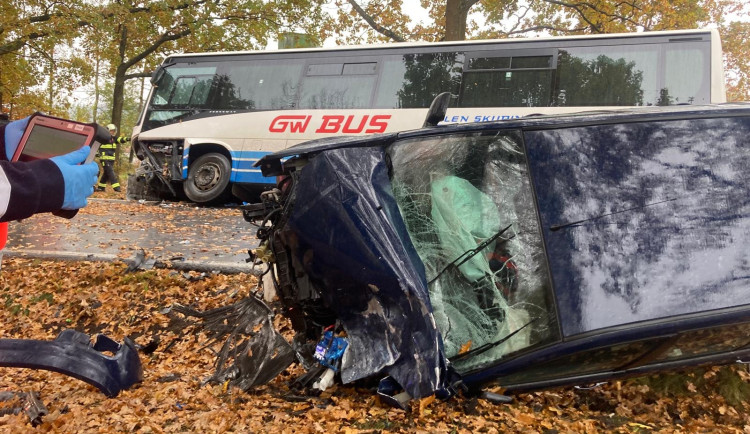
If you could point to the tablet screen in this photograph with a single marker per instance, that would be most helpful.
(46, 142)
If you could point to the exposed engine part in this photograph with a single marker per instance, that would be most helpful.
(300, 298)
(156, 171)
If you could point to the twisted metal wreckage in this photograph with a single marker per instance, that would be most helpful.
(531, 253)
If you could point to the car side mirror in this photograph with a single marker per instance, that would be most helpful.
(437, 110)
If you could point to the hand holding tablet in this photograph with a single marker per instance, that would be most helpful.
(49, 136)
(59, 139)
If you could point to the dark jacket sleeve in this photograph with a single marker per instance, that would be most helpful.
(28, 187)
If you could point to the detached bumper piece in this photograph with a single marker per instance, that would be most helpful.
(72, 354)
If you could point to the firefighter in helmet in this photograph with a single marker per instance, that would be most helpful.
(107, 155)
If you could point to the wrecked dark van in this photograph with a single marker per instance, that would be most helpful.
(537, 252)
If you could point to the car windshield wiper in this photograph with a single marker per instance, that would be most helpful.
(490, 345)
(465, 256)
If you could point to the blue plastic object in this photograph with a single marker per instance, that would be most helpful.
(13, 133)
(329, 350)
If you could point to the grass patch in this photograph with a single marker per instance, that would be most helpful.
(725, 380)
(732, 387)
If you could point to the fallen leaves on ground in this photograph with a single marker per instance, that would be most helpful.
(38, 299)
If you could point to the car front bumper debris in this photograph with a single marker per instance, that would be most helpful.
(73, 354)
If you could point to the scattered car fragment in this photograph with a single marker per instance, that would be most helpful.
(26, 402)
(253, 352)
(73, 354)
(530, 253)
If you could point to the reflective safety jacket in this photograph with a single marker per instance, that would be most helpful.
(107, 150)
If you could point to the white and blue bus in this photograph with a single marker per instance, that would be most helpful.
(211, 116)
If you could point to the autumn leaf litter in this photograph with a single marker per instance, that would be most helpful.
(41, 298)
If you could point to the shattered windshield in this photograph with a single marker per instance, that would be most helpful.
(468, 207)
(183, 86)
(181, 91)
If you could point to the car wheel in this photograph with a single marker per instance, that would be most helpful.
(208, 177)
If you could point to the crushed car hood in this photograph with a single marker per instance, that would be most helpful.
(369, 271)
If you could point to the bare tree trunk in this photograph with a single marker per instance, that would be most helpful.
(455, 20)
(96, 88)
(118, 96)
(51, 87)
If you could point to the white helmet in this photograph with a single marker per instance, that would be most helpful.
(111, 127)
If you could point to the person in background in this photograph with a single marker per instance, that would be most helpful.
(107, 156)
(46, 185)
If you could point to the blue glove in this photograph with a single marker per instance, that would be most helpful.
(13, 133)
(79, 179)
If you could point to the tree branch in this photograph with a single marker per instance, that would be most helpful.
(375, 26)
(467, 4)
(579, 8)
(166, 37)
(21, 41)
(138, 75)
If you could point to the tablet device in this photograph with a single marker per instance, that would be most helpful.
(48, 136)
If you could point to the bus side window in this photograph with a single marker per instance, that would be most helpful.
(507, 81)
(261, 84)
(413, 80)
(687, 72)
(608, 76)
(338, 85)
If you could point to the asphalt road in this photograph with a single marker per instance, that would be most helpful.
(176, 234)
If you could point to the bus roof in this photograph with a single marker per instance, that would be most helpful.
(665, 33)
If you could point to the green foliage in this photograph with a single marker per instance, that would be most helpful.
(737, 58)
(13, 307)
(725, 380)
(37, 69)
(131, 106)
(45, 296)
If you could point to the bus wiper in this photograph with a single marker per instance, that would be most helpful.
(465, 256)
(559, 226)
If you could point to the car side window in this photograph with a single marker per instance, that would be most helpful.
(610, 358)
(705, 342)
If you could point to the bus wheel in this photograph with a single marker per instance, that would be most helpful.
(207, 178)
